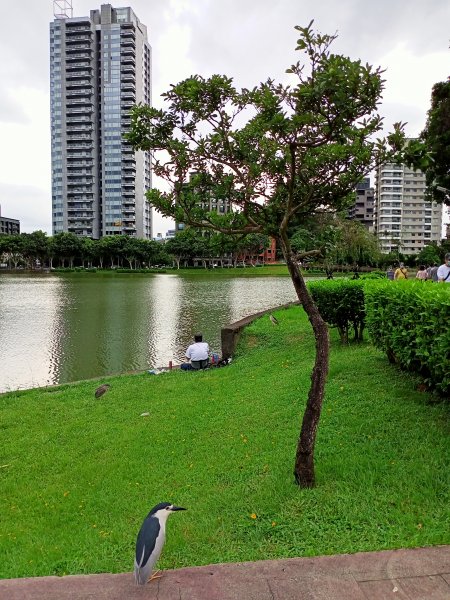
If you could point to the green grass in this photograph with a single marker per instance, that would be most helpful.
(79, 474)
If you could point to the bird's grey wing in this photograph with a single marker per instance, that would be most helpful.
(146, 540)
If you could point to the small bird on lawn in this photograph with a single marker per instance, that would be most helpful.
(150, 541)
(273, 319)
(102, 390)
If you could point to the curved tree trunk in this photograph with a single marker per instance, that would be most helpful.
(304, 459)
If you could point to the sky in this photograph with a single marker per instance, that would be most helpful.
(248, 40)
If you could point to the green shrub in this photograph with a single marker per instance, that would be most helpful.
(373, 275)
(341, 304)
(408, 321)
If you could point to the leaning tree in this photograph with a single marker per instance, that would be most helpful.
(279, 154)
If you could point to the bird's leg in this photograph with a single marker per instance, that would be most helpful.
(155, 575)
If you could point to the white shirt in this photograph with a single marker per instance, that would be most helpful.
(442, 273)
(198, 351)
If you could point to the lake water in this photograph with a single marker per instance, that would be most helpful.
(60, 328)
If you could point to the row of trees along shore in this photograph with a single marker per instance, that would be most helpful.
(37, 250)
(341, 244)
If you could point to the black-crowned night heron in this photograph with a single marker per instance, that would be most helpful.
(102, 390)
(273, 319)
(150, 541)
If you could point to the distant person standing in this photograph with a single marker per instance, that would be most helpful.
(401, 272)
(198, 354)
(421, 273)
(432, 272)
(390, 274)
(443, 273)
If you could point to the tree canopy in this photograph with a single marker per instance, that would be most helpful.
(436, 137)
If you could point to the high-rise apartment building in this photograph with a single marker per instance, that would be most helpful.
(403, 219)
(100, 66)
(362, 209)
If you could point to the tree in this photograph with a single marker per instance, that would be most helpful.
(66, 246)
(13, 249)
(183, 246)
(436, 137)
(279, 154)
(429, 255)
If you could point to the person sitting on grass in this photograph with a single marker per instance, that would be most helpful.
(198, 354)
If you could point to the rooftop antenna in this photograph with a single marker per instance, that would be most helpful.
(62, 9)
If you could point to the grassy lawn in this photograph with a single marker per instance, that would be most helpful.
(249, 271)
(79, 474)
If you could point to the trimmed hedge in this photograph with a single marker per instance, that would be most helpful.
(406, 319)
(341, 304)
(409, 321)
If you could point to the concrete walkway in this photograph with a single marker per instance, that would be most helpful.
(418, 574)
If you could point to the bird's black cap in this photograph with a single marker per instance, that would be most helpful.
(162, 505)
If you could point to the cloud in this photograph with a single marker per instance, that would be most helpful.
(248, 41)
(31, 205)
(10, 110)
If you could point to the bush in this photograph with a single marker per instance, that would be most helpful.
(341, 304)
(374, 275)
(408, 321)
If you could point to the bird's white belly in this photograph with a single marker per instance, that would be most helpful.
(158, 548)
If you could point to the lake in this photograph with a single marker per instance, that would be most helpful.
(57, 328)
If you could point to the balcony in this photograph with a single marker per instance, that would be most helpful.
(73, 35)
(85, 181)
(87, 92)
(78, 123)
(79, 55)
(84, 109)
(79, 103)
(130, 95)
(76, 137)
(127, 42)
(83, 195)
(81, 163)
(80, 174)
(74, 145)
(78, 48)
(80, 65)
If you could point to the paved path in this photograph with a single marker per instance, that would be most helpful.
(418, 574)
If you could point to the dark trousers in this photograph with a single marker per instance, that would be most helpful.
(195, 365)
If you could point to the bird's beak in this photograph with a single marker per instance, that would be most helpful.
(178, 508)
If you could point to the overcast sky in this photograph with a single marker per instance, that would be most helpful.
(249, 40)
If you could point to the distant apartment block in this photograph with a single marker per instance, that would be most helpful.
(403, 220)
(209, 203)
(9, 226)
(362, 209)
(100, 66)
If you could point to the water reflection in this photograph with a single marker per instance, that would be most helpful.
(31, 328)
(60, 328)
(164, 293)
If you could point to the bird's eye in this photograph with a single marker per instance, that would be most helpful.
(167, 507)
